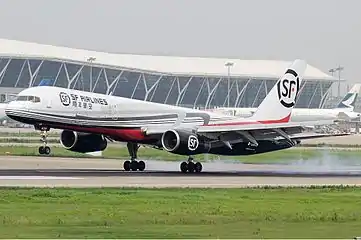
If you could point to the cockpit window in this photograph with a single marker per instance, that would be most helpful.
(28, 98)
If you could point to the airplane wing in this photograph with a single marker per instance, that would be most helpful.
(258, 126)
(250, 132)
(232, 126)
(271, 120)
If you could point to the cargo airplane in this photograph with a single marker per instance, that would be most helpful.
(90, 120)
(344, 111)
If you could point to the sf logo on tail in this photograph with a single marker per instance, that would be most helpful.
(288, 88)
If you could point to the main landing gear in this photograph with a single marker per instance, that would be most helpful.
(44, 150)
(133, 164)
(190, 166)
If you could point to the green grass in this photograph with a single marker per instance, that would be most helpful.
(153, 154)
(181, 213)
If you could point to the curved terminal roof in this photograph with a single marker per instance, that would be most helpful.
(161, 64)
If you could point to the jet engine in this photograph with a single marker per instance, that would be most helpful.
(82, 142)
(183, 143)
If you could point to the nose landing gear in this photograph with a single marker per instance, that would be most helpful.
(44, 150)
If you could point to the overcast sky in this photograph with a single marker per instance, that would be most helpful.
(323, 32)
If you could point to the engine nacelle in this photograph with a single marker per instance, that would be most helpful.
(183, 143)
(82, 142)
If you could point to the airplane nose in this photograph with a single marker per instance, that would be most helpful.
(13, 108)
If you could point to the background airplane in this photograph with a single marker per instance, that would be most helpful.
(343, 111)
(89, 119)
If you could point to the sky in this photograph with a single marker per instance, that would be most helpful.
(326, 33)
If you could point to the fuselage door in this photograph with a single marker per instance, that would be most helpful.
(114, 112)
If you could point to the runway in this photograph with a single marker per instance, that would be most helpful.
(84, 172)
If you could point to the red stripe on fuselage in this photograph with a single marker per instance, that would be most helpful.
(124, 134)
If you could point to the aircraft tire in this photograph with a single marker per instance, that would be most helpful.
(141, 165)
(134, 165)
(191, 167)
(47, 150)
(198, 167)
(41, 150)
(126, 165)
(184, 167)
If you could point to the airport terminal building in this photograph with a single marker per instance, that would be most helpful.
(184, 81)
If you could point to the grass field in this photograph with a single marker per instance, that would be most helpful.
(153, 154)
(180, 213)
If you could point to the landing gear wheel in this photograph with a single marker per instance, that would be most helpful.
(134, 165)
(126, 165)
(47, 150)
(184, 167)
(191, 167)
(198, 167)
(41, 150)
(44, 134)
(141, 165)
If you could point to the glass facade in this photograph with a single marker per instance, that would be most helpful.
(189, 91)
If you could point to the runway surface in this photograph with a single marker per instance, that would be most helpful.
(84, 172)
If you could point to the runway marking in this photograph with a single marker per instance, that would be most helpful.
(36, 178)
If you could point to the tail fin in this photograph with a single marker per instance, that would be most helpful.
(350, 98)
(277, 105)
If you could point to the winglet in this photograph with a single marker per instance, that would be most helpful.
(350, 98)
(277, 105)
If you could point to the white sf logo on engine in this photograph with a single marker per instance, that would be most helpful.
(192, 143)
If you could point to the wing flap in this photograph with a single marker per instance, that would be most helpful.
(259, 126)
(305, 136)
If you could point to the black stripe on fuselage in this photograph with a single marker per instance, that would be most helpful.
(53, 124)
(104, 119)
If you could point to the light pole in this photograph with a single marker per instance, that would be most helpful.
(339, 69)
(228, 65)
(90, 60)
